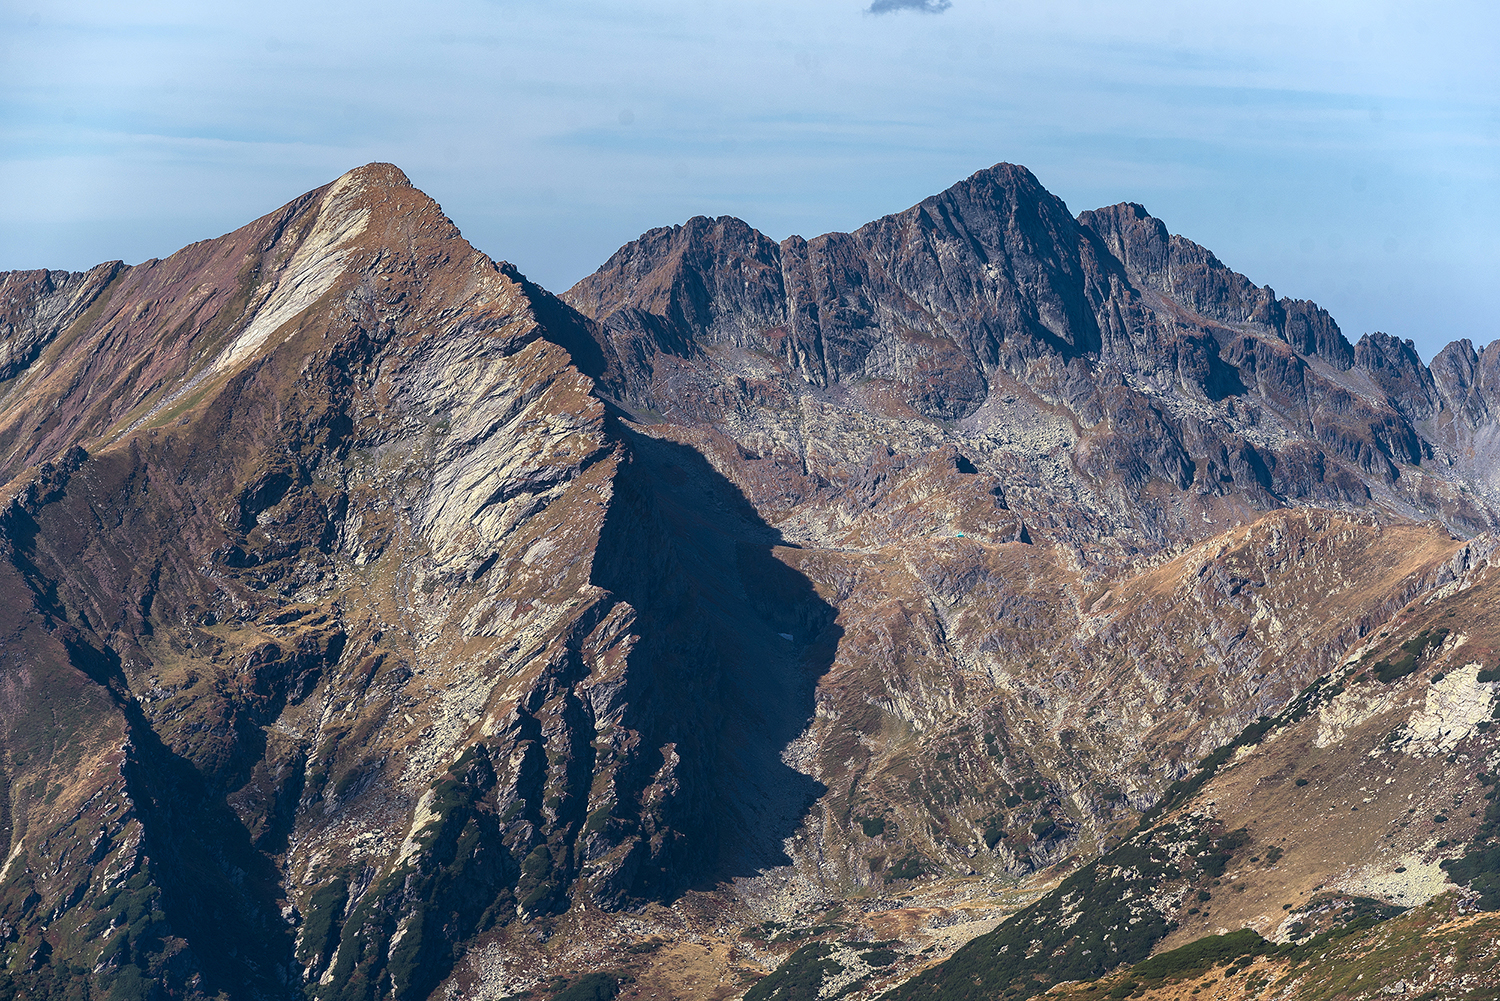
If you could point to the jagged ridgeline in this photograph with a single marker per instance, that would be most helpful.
(380, 625)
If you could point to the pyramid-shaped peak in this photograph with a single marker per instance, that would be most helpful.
(375, 175)
(1004, 171)
(1010, 177)
(999, 192)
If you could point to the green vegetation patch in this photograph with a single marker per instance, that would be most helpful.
(800, 978)
(1098, 918)
(1411, 651)
(1479, 867)
(1213, 854)
(320, 928)
(1195, 957)
(908, 868)
(590, 987)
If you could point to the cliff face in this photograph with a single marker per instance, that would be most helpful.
(384, 624)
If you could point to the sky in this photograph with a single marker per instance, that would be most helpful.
(1343, 152)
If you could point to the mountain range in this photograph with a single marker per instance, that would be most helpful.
(987, 602)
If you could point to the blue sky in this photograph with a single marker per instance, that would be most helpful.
(1343, 152)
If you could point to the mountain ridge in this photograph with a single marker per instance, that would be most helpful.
(1335, 427)
(487, 634)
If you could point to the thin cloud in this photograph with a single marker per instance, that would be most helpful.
(1239, 133)
(925, 6)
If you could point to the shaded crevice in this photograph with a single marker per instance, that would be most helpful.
(715, 692)
(219, 892)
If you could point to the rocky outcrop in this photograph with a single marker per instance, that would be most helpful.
(36, 306)
(1393, 365)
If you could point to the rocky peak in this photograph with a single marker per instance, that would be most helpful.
(1312, 331)
(1180, 268)
(697, 276)
(1468, 380)
(178, 324)
(1193, 276)
(1394, 366)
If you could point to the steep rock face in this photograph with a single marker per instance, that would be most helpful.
(36, 306)
(1464, 425)
(1193, 277)
(925, 299)
(1465, 379)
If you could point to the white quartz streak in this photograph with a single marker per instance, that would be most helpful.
(310, 273)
